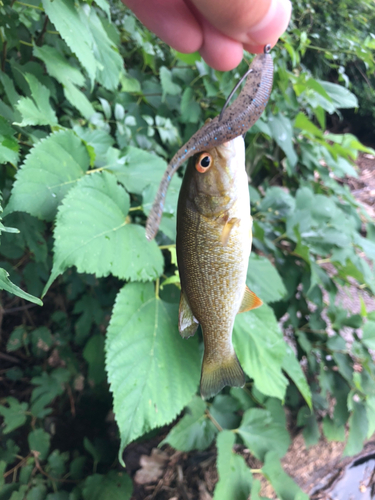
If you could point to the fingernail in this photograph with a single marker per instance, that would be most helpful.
(273, 24)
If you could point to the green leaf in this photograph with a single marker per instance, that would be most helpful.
(153, 372)
(341, 97)
(9, 146)
(284, 486)
(49, 386)
(36, 110)
(140, 168)
(261, 434)
(358, 425)
(306, 125)
(53, 166)
(74, 30)
(264, 280)
(93, 234)
(94, 355)
(190, 109)
(332, 431)
(292, 367)
(368, 335)
(235, 478)
(261, 350)
(168, 86)
(113, 486)
(282, 132)
(14, 414)
(108, 60)
(39, 441)
(188, 58)
(194, 431)
(69, 77)
(7, 285)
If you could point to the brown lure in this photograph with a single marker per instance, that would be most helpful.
(235, 120)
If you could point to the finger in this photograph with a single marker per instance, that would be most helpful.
(170, 20)
(252, 22)
(219, 51)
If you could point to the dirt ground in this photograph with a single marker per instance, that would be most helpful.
(169, 475)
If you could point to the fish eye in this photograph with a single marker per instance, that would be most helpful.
(204, 162)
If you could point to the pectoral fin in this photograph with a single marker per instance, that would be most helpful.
(228, 226)
(187, 323)
(249, 301)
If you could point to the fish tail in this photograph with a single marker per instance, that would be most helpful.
(219, 373)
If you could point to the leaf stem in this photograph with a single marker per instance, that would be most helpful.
(256, 471)
(99, 169)
(323, 261)
(29, 5)
(214, 421)
(133, 209)
(157, 286)
(26, 43)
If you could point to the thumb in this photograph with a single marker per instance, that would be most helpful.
(254, 23)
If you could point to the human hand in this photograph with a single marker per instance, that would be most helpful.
(218, 29)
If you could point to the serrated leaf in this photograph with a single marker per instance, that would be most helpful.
(152, 371)
(113, 486)
(49, 385)
(65, 16)
(190, 109)
(261, 350)
(7, 285)
(14, 414)
(50, 170)
(283, 484)
(261, 434)
(69, 77)
(93, 234)
(39, 441)
(194, 431)
(292, 367)
(167, 84)
(140, 168)
(36, 110)
(9, 146)
(358, 425)
(235, 478)
(264, 280)
(109, 62)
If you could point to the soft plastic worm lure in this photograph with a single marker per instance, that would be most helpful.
(233, 121)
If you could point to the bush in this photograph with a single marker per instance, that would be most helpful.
(84, 144)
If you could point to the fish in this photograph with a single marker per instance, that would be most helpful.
(214, 228)
(233, 121)
(214, 234)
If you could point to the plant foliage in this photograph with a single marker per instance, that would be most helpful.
(92, 106)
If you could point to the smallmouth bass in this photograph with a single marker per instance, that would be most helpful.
(214, 228)
(213, 248)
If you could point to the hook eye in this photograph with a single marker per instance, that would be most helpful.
(203, 162)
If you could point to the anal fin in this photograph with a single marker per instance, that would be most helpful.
(249, 301)
(187, 323)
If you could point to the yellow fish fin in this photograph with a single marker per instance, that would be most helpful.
(249, 301)
(228, 226)
(187, 324)
(216, 374)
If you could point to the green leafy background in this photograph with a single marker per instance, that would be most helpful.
(92, 107)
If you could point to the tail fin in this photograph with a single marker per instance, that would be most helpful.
(216, 375)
